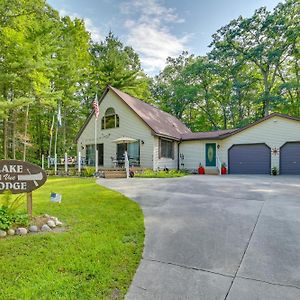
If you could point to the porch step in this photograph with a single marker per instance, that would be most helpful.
(115, 174)
(211, 171)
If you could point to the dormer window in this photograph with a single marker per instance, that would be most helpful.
(110, 119)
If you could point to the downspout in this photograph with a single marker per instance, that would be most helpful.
(178, 153)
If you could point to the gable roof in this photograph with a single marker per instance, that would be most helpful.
(160, 122)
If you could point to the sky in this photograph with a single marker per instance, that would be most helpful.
(157, 29)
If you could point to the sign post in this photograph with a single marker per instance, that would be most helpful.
(21, 177)
(29, 204)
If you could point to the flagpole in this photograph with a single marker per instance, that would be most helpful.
(58, 123)
(55, 149)
(96, 111)
(96, 150)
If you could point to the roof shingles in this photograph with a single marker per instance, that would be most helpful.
(159, 121)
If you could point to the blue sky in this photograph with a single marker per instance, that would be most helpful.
(157, 29)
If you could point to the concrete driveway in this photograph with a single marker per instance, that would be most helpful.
(217, 237)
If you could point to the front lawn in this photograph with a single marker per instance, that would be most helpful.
(161, 174)
(95, 258)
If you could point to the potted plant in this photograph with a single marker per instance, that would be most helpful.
(223, 169)
(274, 171)
(201, 169)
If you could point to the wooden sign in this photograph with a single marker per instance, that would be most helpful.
(20, 177)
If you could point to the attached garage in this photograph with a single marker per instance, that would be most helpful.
(249, 159)
(290, 158)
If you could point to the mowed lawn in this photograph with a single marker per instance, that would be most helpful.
(95, 258)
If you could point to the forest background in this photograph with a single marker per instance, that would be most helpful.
(49, 64)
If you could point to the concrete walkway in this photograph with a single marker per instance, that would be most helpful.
(217, 237)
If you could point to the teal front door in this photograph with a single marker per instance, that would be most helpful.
(210, 155)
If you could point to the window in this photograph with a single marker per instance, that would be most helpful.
(133, 151)
(110, 119)
(90, 155)
(166, 149)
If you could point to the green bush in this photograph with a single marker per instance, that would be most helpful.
(5, 219)
(148, 173)
(10, 216)
(88, 171)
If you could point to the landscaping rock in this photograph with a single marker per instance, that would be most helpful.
(21, 231)
(33, 228)
(58, 223)
(51, 223)
(11, 231)
(45, 228)
(46, 216)
(2, 233)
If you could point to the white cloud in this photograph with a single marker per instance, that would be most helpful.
(150, 34)
(89, 25)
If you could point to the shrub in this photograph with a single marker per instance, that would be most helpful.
(88, 171)
(148, 173)
(9, 214)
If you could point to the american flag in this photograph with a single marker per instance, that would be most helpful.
(96, 107)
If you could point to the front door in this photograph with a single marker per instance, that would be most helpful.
(100, 154)
(210, 154)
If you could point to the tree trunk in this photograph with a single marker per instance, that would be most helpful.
(266, 95)
(14, 134)
(5, 139)
(25, 133)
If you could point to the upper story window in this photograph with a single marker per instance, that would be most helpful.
(110, 119)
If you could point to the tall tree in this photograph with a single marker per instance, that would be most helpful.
(117, 65)
(260, 40)
(170, 89)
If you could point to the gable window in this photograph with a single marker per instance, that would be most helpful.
(166, 149)
(110, 119)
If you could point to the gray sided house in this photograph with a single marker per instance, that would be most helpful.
(162, 141)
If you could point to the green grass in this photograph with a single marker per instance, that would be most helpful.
(95, 258)
(161, 174)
